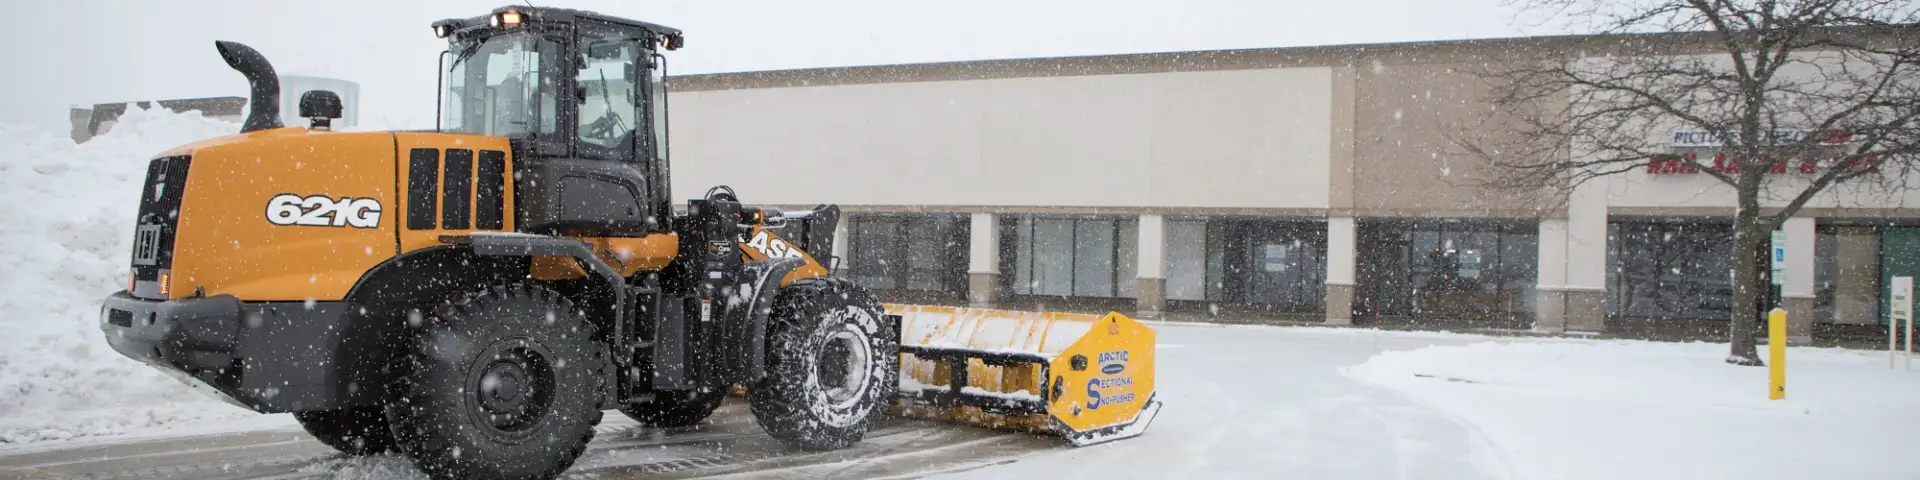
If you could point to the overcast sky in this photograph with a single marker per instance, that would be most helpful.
(80, 52)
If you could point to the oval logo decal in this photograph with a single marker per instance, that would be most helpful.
(1112, 368)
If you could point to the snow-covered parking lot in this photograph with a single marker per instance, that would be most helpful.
(1260, 402)
(1256, 402)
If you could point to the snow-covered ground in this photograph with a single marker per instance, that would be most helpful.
(1610, 410)
(69, 211)
(1269, 402)
(1255, 402)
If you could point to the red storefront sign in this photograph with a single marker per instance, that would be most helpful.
(1685, 163)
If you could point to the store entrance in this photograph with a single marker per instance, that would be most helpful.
(1478, 270)
(1273, 265)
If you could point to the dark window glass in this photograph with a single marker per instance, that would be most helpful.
(920, 253)
(1093, 262)
(1483, 269)
(1847, 275)
(1187, 261)
(1072, 256)
(1671, 270)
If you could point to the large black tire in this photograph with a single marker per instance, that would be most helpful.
(676, 408)
(503, 383)
(354, 431)
(832, 363)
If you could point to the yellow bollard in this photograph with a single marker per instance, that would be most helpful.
(1777, 354)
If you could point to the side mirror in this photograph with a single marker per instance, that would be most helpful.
(321, 107)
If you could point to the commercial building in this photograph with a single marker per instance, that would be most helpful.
(1290, 183)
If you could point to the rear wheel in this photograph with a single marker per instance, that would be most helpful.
(676, 408)
(354, 431)
(831, 365)
(502, 384)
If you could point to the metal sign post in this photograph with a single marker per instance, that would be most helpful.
(1777, 256)
(1900, 309)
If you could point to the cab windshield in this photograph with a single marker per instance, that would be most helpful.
(501, 86)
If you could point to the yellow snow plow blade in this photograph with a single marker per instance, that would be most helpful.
(1086, 378)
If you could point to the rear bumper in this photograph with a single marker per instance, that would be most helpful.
(268, 356)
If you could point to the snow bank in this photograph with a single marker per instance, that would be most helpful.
(70, 217)
(1608, 410)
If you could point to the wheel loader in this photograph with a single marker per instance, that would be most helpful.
(475, 296)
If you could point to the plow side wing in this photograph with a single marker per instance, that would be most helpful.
(1103, 383)
(1086, 378)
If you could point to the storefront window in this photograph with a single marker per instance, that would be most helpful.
(1476, 268)
(1262, 263)
(1187, 263)
(1849, 281)
(1093, 265)
(1847, 275)
(873, 245)
(1275, 265)
(1673, 270)
(1052, 257)
(916, 253)
(1073, 256)
(1520, 269)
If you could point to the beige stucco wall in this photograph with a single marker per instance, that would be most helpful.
(1405, 164)
(1226, 139)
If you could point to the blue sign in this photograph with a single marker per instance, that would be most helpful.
(1779, 243)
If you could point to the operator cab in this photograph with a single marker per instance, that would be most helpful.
(581, 98)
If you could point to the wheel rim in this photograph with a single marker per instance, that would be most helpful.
(845, 366)
(511, 389)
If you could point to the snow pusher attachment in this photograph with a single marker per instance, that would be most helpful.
(1086, 378)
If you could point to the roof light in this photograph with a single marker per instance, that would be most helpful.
(442, 31)
(507, 19)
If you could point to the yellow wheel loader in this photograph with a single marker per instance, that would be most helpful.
(474, 296)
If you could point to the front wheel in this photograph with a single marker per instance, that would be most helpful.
(505, 383)
(831, 362)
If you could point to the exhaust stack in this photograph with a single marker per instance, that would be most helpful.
(263, 104)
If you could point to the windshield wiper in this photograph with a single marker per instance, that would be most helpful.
(606, 95)
(463, 55)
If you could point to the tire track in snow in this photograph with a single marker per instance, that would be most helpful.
(1483, 454)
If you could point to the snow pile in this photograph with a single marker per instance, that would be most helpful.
(70, 217)
(1607, 410)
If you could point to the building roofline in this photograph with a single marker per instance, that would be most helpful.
(1410, 52)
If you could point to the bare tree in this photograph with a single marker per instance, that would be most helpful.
(1798, 96)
